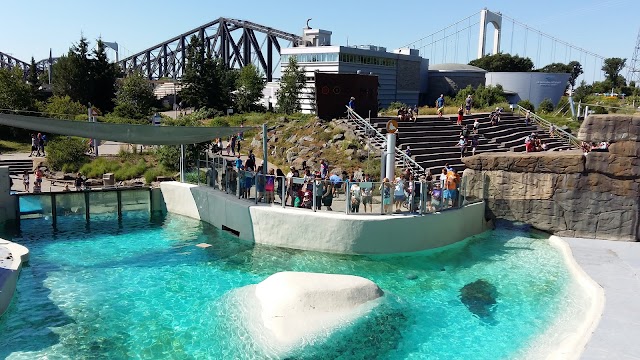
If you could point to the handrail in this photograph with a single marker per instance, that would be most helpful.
(415, 167)
(563, 135)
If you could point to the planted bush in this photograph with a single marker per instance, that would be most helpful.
(527, 105)
(546, 106)
(67, 151)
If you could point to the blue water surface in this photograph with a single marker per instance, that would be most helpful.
(140, 288)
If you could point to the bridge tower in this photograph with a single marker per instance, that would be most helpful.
(633, 74)
(488, 17)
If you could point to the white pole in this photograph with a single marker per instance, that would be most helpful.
(391, 156)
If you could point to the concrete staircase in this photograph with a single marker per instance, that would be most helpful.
(433, 140)
(17, 166)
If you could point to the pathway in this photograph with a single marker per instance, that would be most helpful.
(615, 265)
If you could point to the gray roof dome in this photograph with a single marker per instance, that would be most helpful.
(456, 68)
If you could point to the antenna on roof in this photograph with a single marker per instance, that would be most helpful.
(309, 27)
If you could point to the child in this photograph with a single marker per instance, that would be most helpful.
(25, 180)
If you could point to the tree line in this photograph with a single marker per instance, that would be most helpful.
(84, 76)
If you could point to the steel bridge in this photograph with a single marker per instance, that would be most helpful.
(234, 41)
(237, 42)
(9, 62)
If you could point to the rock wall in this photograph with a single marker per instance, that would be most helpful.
(568, 193)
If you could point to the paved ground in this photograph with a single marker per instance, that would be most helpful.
(615, 265)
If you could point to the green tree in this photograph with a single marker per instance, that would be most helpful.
(134, 98)
(15, 93)
(71, 73)
(576, 71)
(32, 78)
(612, 68)
(86, 78)
(573, 68)
(503, 63)
(250, 85)
(208, 83)
(62, 107)
(291, 85)
(581, 92)
(103, 78)
(546, 106)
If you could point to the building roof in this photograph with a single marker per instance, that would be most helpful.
(456, 68)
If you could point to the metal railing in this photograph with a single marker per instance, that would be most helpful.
(339, 196)
(561, 134)
(378, 139)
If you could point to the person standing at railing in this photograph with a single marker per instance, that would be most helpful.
(318, 186)
(355, 196)
(241, 181)
(280, 178)
(260, 184)
(552, 130)
(352, 103)
(327, 196)
(527, 118)
(269, 187)
(385, 189)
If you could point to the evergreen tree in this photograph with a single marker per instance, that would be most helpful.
(291, 85)
(250, 85)
(32, 78)
(86, 79)
(103, 74)
(208, 83)
(15, 93)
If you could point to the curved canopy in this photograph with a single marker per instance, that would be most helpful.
(127, 133)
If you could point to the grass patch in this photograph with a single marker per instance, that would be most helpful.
(121, 169)
(10, 146)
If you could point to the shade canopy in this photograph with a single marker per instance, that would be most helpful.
(126, 133)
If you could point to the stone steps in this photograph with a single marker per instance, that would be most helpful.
(18, 166)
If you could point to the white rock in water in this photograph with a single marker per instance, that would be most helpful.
(299, 307)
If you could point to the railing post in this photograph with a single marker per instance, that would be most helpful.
(347, 197)
(313, 193)
(119, 200)
(284, 192)
(255, 180)
(86, 205)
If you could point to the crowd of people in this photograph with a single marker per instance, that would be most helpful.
(588, 147)
(408, 113)
(317, 189)
(38, 143)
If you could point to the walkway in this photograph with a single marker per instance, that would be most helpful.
(615, 265)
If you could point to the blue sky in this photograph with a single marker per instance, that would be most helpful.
(606, 27)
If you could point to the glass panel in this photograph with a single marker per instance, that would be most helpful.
(70, 204)
(34, 206)
(103, 202)
(135, 200)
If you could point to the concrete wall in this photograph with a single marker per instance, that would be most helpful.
(323, 231)
(7, 202)
(532, 86)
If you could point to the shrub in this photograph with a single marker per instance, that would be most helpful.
(129, 171)
(169, 156)
(66, 150)
(546, 106)
(396, 105)
(152, 174)
(527, 105)
(192, 177)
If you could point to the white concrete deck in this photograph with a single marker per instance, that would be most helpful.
(615, 265)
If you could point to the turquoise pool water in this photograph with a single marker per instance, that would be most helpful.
(142, 289)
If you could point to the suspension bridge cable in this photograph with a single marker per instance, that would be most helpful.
(552, 37)
(441, 30)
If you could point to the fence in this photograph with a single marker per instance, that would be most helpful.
(331, 194)
(563, 135)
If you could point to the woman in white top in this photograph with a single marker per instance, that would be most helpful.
(356, 196)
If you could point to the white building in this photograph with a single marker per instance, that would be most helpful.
(401, 74)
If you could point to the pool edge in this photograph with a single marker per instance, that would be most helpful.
(574, 344)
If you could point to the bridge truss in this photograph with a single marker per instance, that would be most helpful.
(9, 62)
(237, 42)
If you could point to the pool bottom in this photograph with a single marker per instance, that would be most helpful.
(142, 289)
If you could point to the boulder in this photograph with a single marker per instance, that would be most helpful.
(610, 128)
(291, 154)
(292, 139)
(297, 306)
(93, 182)
(338, 137)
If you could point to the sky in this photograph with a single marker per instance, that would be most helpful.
(607, 27)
